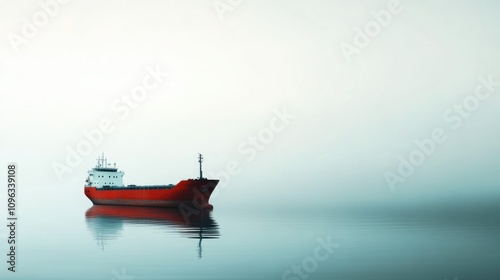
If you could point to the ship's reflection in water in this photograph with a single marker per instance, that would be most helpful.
(107, 222)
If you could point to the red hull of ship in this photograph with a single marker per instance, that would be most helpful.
(187, 192)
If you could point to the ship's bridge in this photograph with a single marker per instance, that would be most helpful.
(104, 176)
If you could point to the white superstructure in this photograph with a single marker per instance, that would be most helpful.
(103, 175)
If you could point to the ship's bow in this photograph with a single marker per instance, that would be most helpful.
(197, 192)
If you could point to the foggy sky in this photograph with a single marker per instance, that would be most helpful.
(351, 119)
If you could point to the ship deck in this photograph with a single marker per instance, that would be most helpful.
(134, 187)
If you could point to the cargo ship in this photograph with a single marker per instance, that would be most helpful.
(104, 186)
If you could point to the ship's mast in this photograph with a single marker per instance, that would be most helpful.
(200, 160)
(100, 160)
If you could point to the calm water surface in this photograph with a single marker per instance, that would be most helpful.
(134, 243)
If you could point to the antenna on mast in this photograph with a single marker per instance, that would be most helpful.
(200, 160)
